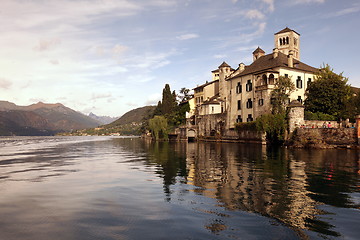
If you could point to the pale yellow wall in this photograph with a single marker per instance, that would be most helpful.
(293, 45)
(233, 98)
(209, 109)
(293, 74)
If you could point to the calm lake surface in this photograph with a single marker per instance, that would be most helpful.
(127, 188)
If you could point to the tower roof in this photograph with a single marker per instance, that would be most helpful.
(224, 64)
(287, 30)
(258, 50)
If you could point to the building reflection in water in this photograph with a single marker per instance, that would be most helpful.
(287, 185)
(283, 184)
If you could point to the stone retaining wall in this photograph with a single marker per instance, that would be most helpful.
(324, 137)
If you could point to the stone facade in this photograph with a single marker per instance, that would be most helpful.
(324, 138)
(244, 94)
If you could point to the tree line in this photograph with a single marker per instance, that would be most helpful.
(169, 113)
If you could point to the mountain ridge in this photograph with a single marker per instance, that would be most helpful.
(57, 117)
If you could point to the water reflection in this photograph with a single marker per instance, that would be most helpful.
(286, 185)
(126, 188)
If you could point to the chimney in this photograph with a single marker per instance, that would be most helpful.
(241, 67)
(291, 59)
(275, 52)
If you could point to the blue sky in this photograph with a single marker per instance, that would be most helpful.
(110, 56)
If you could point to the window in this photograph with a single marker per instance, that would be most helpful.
(264, 79)
(238, 119)
(239, 104)
(212, 109)
(309, 81)
(261, 102)
(271, 79)
(249, 103)
(286, 75)
(299, 99)
(238, 87)
(250, 118)
(248, 86)
(299, 82)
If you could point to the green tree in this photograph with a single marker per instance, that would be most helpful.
(158, 126)
(274, 125)
(280, 94)
(329, 93)
(168, 102)
(184, 95)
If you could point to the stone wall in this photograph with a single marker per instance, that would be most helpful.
(320, 124)
(212, 128)
(324, 137)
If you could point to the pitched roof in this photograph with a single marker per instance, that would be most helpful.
(224, 64)
(205, 84)
(213, 100)
(258, 50)
(268, 62)
(287, 30)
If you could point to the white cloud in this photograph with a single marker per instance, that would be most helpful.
(119, 49)
(244, 49)
(153, 99)
(54, 61)
(271, 5)
(96, 96)
(4, 83)
(220, 56)
(248, 37)
(345, 11)
(45, 45)
(254, 14)
(187, 36)
(308, 1)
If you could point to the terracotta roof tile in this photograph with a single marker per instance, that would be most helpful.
(268, 62)
(286, 30)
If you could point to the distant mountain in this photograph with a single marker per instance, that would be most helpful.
(47, 118)
(137, 115)
(24, 123)
(102, 119)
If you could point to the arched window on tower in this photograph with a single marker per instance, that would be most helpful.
(287, 40)
(271, 79)
(280, 40)
(264, 79)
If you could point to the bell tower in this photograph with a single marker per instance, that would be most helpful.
(288, 40)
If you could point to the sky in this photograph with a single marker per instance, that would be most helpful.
(111, 56)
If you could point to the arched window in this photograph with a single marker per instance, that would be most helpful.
(271, 79)
(264, 79)
(287, 40)
(284, 41)
(280, 41)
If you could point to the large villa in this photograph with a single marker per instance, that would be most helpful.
(243, 94)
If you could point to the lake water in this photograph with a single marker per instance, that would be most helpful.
(127, 188)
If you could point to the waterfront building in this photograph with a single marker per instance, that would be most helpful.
(244, 94)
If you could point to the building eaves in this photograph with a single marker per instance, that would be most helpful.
(205, 84)
(285, 30)
(268, 63)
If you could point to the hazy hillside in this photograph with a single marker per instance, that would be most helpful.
(102, 119)
(15, 122)
(134, 116)
(56, 116)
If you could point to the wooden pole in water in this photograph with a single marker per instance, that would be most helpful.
(358, 127)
